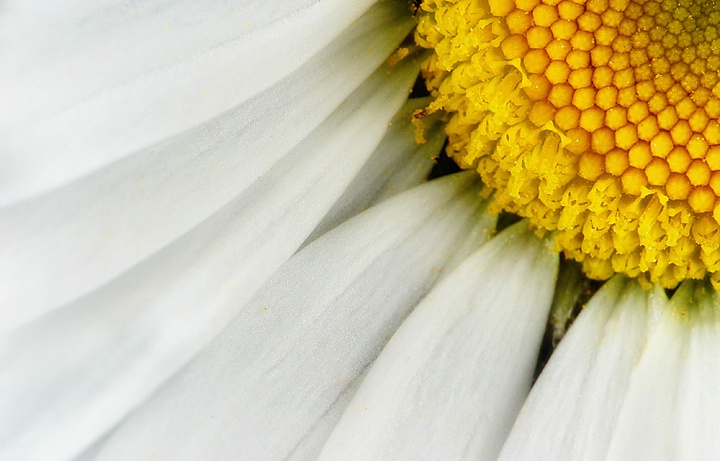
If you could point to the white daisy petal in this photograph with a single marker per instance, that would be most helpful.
(312, 443)
(398, 164)
(450, 382)
(274, 374)
(106, 352)
(572, 410)
(87, 83)
(91, 453)
(81, 236)
(699, 402)
(672, 408)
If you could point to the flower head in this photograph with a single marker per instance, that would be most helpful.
(597, 119)
(219, 242)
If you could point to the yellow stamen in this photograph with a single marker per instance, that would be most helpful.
(597, 119)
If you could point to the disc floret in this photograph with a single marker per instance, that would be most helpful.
(595, 119)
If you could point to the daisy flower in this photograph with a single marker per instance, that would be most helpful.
(219, 240)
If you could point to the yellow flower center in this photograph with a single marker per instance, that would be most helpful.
(597, 119)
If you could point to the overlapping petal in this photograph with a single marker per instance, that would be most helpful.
(87, 83)
(451, 380)
(101, 355)
(672, 407)
(266, 385)
(81, 236)
(635, 378)
(573, 409)
(398, 164)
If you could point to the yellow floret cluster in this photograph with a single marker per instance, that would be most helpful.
(596, 119)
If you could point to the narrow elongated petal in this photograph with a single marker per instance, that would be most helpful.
(73, 374)
(672, 408)
(312, 443)
(398, 164)
(572, 411)
(271, 378)
(87, 83)
(81, 236)
(450, 382)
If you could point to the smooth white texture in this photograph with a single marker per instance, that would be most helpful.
(86, 83)
(397, 165)
(70, 376)
(311, 444)
(451, 380)
(62, 245)
(271, 378)
(572, 411)
(672, 408)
